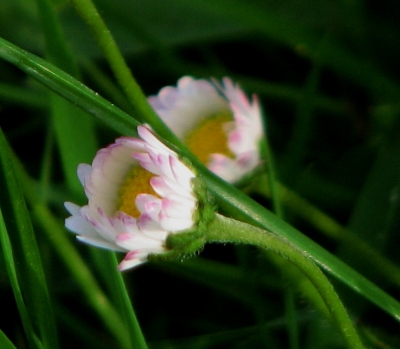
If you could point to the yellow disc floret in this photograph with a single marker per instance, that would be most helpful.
(209, 137)
(137, 182)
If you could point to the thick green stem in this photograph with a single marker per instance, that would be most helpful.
(123, 74)
(223, 229)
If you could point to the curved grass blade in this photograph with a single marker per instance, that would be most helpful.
(69, 88)
(229, 199)
(29, 268)
(12, 274)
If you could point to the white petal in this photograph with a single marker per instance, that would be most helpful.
(132, 259)
(151, 228)
(148, 137)
(100, 243)
(72, 208)
(175, 224)
(83, 172)
(132, 242)
(178, 208)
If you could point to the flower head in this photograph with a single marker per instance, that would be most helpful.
(217, 122)
(139, 193)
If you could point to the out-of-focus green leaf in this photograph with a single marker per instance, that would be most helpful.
(29, 266)
(76, 144)
(12, 274)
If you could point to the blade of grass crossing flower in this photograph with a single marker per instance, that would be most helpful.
(32, 280)
(69, 88)
(12, 274)
(229, 199)
(76, 144)
(5, 343)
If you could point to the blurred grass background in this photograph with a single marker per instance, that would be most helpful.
(328, 77)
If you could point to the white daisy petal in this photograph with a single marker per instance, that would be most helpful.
(174, 208)
(151, 228)
(133, 259)
(150, 204)
(100, 243)
(171, 224)
(137, 241)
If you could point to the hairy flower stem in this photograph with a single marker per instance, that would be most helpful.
(223, 229)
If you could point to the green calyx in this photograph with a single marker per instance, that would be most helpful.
(190, 242)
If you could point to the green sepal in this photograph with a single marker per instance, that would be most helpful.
(189, 243)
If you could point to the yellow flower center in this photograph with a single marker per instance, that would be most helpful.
(209, 137)
(137, 182)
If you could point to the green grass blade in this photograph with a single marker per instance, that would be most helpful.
(69, 88)
(5, 343)
(125, 307)
(12, 274)
(32, 279)
(76, 144)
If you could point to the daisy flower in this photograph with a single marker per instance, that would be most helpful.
(139, 193)
(219, 124)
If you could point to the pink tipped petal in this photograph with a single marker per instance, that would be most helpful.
(151, 228)
(160, 186)
(177, 208)
(131, 260)
(148, 137)
(137, 241)
(181, 173)
(147, 203)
